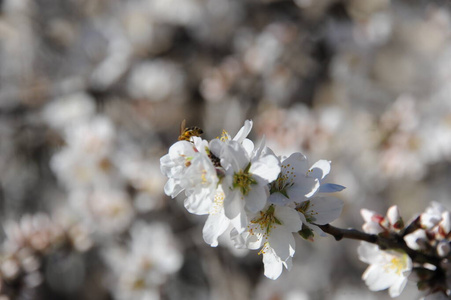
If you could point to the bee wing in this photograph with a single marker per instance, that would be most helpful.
(182, 126)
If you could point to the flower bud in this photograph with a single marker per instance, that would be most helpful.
(443, 248)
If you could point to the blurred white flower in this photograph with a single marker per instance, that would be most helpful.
(87, 157)
(156, 81)
(145, 176)
(177, 12)
(107, 210)
(69, 110)
(140, 269)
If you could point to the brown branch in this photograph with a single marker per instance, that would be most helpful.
(385, 241)
(339, 233)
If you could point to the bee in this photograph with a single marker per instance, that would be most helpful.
(187, 132)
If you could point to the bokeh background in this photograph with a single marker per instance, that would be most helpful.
(92, 94)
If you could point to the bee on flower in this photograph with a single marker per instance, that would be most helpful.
(248, 192)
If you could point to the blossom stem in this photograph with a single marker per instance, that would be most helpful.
(385, 242)
(340, 233)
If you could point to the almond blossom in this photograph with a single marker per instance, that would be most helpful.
(246, 182)
(388, 269)
(272, 230)
(318, 211)
(292, 184)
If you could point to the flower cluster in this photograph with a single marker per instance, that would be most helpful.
(263, 198)
(422, 249)
(29, 244)
(432, 237)
(143, 267)
(388, 268)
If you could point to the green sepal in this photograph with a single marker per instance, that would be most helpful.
(306, 233)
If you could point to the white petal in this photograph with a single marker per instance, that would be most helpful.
(320, 169)
(376, 278)
(282, 242)
(289, 218)
(397, 287)
(244, 131)
(367, 214)
(299, 163)
(261, 150)
(171, 188)
(393, 214)
(416, 240)
(273, 265)
(279, 199)
(215, 225)
(330, 188)
(445, 223)
(198, 203)
(288, 263)
(248, 145)
(233, 204)
(257, 198)
(240, 222)
(216, 147)
(326, 209)
(267, 168)
(369, 253)
(303, 188)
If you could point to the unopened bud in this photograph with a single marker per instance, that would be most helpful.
(394, 218)
(416, 240)
(445, 223)
(443, 248)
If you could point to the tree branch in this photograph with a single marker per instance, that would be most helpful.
(387, 241)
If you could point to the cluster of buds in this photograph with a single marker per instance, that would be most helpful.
(28, 242)
(431, 236)
(259, 199)
(419, 251)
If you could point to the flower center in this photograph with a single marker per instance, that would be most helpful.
(224, 136)
(284, 180)
(304, 209)
(243, 181)
(187, 159)
(397, 264)
(266, 220)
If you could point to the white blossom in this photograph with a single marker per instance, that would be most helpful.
(292, 184)
(272, 229)
(388, 269)
(319, 211)
(246, 182)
